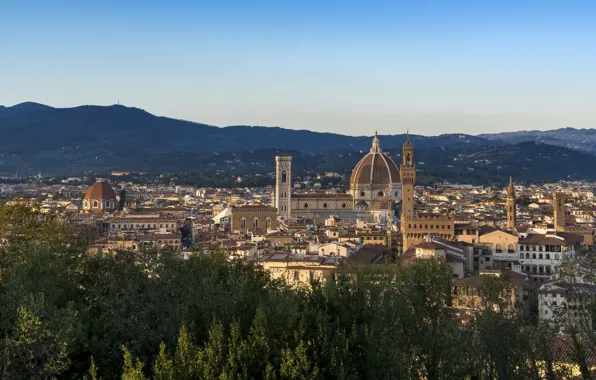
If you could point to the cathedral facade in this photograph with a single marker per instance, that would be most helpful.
(375, 186)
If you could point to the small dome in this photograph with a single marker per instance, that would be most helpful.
(100, 191)
(376, 168)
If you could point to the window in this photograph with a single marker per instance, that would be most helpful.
(540, 256)
(343, 205)
(557, 256)
(381, 194)
(510, 248)
(95, 204)
(268, 223)
(255, 223)
(306, 205)
(284, 177)
(533, 255)
(498, 248)
(325, 205)
(242, 223)
(362, 193)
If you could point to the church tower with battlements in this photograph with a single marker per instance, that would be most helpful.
(511, 214)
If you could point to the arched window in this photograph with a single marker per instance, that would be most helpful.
(284, 177)
(283, 194)
(533, 255)
(527, 255)
(268, 223)
(362, 193)
(381, 194)
(498, 248)
(95, 203)
(510, 248)
(548, 256)
(408, 159)
(242, 223)
(540, 256)
(255, 223)
(557, 256)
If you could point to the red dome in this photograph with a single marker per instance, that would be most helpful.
(376, 168)
(100, 191)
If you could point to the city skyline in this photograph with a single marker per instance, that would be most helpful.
(433, 67)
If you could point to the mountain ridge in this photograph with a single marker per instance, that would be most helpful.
(40, 138)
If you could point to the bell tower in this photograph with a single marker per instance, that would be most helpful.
(407, 172)
(283, 185)
(511, 206)
(559, 210)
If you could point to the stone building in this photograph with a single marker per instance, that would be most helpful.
(100, 197)
(250, 218)
(416, 227)
(560, 221)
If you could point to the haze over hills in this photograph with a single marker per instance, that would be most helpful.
(578, 139)
(40, 138)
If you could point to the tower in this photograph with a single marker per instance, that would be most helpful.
(559, 210)
(283, 185)
(408, 178)
(510, 206)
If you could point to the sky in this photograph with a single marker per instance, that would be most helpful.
(349, 67)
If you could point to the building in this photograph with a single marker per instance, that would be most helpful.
(541, 254)
(416, 227)
(560, 220)
(511, 212)
(564, 306)
(433, 248)
(468, 292)
(250, 218)
(374, 188)
(100, 197)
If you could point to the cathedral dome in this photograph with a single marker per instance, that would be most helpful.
(375, 168)
(100, 197)
(100, 191)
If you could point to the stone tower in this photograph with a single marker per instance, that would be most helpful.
(559, 210)
(283, 185)
(408, 178)
(510, 206)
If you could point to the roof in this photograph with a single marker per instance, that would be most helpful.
(375, 168)
(100, 191)
(566, 238)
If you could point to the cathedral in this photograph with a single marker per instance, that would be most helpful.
(375, 186)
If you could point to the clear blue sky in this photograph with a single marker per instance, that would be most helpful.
(341, 66)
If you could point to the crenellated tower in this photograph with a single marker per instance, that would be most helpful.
(559, 211)
(511, 213)
(408, 179)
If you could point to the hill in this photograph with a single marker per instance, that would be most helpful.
(39, 138)
(579, 139)
(44, 138)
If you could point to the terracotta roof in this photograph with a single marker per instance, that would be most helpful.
(539, 239)
(375, 168)
(100, 191)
